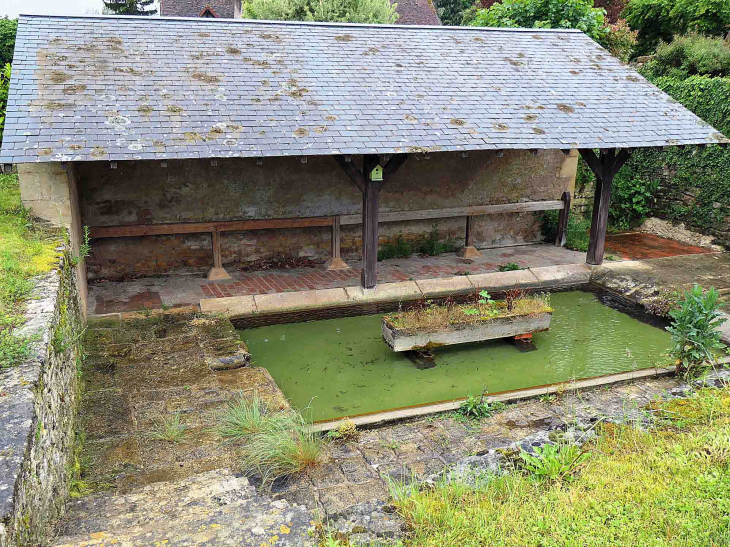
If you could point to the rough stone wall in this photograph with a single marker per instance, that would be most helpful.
(193, 191)
(37, 413)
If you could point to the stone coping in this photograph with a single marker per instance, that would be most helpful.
(507, 396)
(538, 278)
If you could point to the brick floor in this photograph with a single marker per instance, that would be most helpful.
(185, 290)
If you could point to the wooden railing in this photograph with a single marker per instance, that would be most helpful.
(215, 228)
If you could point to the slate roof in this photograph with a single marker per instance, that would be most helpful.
(123, 88)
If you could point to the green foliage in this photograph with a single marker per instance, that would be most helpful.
(576, 14)
(690, 55)
(631, 201)
(130, 7)
(576, 236)
(477, 408)
(347, 11)
(554, 462)
(8, 30)
(84, 249)
(451, 12)
(658, 487)
(244, 418)
(695, 330)
(661, 20)
(400, 249)
(621, 40)
(509, 267)
(433, 246)
(4, 90)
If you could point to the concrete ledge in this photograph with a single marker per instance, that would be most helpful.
(302, 300)
(569, 274)
(445, 286)
(520, 279)
(387, 292)
(516, 395)
(234, 305)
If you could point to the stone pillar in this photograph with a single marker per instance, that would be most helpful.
(50, 191)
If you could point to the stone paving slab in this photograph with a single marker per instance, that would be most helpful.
(570, 274)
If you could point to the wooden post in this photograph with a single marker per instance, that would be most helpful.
(217, 272)
(469, 250)
(335, 262)
(370, 208)
(605, 166)
(563, 220)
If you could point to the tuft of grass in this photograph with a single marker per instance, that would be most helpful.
(27, 249)
(244, 418)
(274, 444)
(509, 267)
(170, 429)
(661, 487)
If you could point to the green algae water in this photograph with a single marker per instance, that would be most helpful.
(342, 367)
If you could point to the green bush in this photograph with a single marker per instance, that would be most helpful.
(690, 55)
(400, 249)
(661, 20)
(8, 30)
(433, 246)
(4, 90)
(577, 14)
(576, 236)
(554, 462)
(631, 200)
(695, 330)
(451, 12)
(621, 40)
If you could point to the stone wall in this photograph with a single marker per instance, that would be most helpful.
(37, 412)
(145, 192)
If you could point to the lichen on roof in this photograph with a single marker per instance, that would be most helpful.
(320, 89)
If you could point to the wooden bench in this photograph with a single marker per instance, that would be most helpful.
(217, 272)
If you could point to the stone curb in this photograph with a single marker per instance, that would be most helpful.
(236, 307)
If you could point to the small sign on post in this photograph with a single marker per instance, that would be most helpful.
(376, 174)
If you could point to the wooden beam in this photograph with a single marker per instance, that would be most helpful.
(370, 208)
(391, 168)
(203, 227)
(335, 262)
(608, 165)
(563, 220)
(426, 214)
(621, 158)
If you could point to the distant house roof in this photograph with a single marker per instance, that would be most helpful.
(416, 12)
(410, 12)
(123, 88)
(197, 8)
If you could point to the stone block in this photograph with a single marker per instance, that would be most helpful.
(301, 300)
(444, 286)
(234, 306)
(565, 275)
(520, 279)
(386, 292)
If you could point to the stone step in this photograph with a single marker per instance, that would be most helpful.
(213, 508)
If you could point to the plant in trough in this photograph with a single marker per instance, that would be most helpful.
(694, 329)
(554, 462)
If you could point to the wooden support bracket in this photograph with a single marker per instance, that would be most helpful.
(335, 262)
(217, 272)
(469, 250)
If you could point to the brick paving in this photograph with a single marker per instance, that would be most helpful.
(186, 290)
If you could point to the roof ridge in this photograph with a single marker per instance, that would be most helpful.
(221, 20)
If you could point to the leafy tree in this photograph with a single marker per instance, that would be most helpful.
(340, 11)
(658, 20)
(577, 14)
(8, 29)
(130, 7)
(4, 87)
(451, 12)
(689, 56)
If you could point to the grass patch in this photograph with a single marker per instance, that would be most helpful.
(430, 317)
(26, 250)
(577, 235)
(274, 444)
(170, 429)
(666, 486)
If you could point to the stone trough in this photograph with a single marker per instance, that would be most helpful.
(500, 327)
